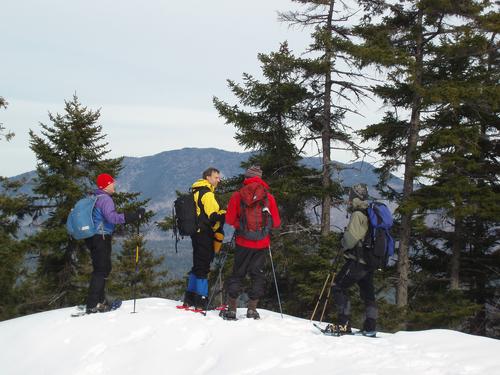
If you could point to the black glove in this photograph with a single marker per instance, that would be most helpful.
(132, 217)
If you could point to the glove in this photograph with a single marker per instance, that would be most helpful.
(132, 217)
(218, 238)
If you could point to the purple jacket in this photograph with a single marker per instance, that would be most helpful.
(104, 214)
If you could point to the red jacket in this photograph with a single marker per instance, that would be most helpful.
(233, 216)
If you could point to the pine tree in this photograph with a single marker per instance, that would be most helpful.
(333, 80)
(71, 152)
(268, 121)
(402, 37)
(462, 166)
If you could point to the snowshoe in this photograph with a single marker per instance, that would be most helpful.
(335, 329)
(184, 306)
(368, 333)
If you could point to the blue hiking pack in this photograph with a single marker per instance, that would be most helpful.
(380, 242)
(80, 224)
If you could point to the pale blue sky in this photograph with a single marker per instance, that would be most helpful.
(151, 66)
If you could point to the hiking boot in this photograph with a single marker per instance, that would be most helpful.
(369, 327)
(189, 298)
(253, 314)
(370, 324)
(200, 302)
(252, 309)
(228, 315)
(230, 312)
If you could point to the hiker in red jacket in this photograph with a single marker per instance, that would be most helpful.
(253, 212)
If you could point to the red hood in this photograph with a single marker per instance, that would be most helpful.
(256, 179)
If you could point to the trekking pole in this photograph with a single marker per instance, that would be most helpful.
(222, 262)
(320, 296)
(275, 282)
(136, 266)
(327, 297)
(333, 274)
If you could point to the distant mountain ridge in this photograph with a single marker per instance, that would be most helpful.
(158, 177)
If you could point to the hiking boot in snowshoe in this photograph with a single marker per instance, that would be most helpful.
(338, 329)
(369, 327)
(228, 315)
(200, 302)
(253, 314)
(230, 312)
(189, 298)
(252, 309)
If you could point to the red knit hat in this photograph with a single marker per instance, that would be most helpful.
(103, 180)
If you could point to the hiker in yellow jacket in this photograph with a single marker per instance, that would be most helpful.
(207, 240)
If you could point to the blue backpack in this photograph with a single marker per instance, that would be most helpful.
(80, 224)
(379, 241)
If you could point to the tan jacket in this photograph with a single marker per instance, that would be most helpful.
(352, 240)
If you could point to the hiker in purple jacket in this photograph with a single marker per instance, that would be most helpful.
(105, 218)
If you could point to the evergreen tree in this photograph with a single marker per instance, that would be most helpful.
(331, 77)
(462, 166)
(268, 121)
(71, 152)
(402, 37)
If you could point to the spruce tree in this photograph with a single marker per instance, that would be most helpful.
(402, 38)
(334, 82)
(268, 120)
(461, 168)
(71, 152)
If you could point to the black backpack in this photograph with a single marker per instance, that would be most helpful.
(185, 220)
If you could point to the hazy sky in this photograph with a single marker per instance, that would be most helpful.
(152, 67)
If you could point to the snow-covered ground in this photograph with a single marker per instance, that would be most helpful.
(160, 339)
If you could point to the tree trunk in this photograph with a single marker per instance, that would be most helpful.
(409, 175)
(326, 135)
(455, 255)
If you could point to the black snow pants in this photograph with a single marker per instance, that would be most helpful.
(203, 253)
(100, 252)
(251, 261)
(354, 273)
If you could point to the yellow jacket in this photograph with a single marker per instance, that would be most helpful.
(212, 210)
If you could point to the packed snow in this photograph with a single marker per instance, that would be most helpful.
(160, 339)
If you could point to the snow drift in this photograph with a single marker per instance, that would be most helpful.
(161, 339)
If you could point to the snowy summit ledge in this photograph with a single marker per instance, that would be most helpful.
(161, 339)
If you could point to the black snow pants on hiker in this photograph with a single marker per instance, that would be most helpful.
(203, 252)
(100, 252)
(352, 273)
(251, 261)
